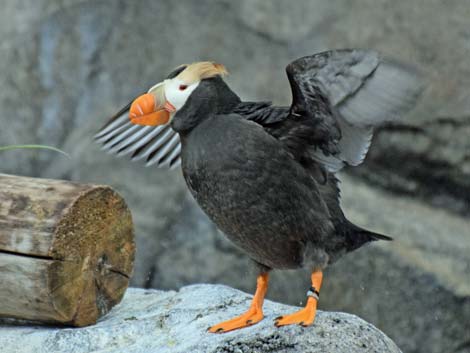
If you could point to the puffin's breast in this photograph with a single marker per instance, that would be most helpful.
(252, 189)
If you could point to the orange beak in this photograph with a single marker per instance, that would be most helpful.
(149, 110)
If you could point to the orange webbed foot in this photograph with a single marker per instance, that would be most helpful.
(304, 317)
(254, 313)
(249, 318)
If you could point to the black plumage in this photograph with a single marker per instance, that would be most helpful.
(265, 175)
(252, 175)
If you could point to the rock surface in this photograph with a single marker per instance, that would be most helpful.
(150, 321)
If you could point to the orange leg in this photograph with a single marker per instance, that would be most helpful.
(254, 313)
(305, 316)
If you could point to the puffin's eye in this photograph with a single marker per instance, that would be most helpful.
(183, 87)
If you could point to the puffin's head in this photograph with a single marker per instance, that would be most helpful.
(187, 89)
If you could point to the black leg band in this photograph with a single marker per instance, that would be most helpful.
(312, 292)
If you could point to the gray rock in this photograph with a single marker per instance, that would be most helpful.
(156, 321)
(430, 160)
(281, 22)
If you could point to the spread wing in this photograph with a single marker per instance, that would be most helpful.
(346, 93)
(339, 96)
(156, 145)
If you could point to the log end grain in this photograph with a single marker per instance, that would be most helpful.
(93, 252)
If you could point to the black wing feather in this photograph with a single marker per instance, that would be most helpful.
(345, 94)
(157, 145)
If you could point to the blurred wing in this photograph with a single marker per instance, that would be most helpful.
(157, 145)
(364, 91)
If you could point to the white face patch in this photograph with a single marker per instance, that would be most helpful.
(177, 91)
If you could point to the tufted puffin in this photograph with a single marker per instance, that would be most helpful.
(265, 174)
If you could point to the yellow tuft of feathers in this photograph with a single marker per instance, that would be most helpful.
(200, 70)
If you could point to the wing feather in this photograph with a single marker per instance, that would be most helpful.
(118, 119)
(160, 153)
(158, 145)
(132, 147)
(129, 129)
(112, 133)
(364, 91)
(390, 92)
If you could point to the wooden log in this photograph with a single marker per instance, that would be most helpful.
(66, 250)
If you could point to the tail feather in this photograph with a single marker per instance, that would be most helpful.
(358, 236)
(374, 236)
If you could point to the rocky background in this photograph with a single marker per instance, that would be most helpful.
(66, 65)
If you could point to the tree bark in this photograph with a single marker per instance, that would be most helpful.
(66, 250)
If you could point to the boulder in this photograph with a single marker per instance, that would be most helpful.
(157, 321)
